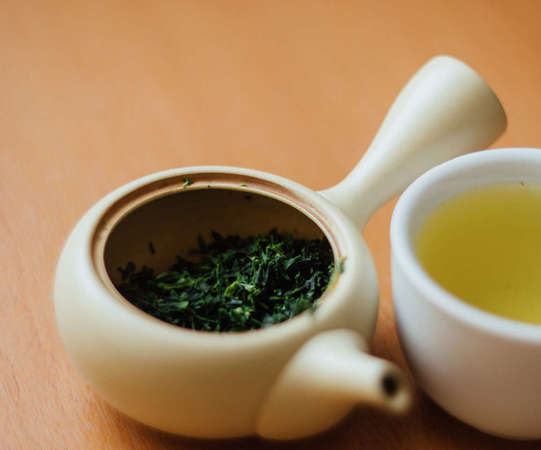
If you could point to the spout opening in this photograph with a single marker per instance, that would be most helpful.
(390, 385)
(395, 391)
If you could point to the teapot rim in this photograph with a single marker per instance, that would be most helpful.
(328, 218)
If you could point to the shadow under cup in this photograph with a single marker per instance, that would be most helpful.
(483, 369)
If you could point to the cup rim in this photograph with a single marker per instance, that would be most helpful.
(403, 253)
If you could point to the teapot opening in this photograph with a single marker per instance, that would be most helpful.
(153, 224)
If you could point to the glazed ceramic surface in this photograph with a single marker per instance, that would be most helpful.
(483, 369)
(292, 379)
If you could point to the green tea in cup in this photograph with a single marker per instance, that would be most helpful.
(484, 247)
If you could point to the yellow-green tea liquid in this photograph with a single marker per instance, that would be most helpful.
(484, 246)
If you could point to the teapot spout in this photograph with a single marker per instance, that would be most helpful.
(324, 380)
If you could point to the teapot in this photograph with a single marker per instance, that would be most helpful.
(292, 379)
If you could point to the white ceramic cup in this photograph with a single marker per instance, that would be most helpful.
(483, 369)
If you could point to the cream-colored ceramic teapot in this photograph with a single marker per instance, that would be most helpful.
(292, 379)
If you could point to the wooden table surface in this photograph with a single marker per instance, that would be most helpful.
(93, 94)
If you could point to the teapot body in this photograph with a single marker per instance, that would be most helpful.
(193, 383)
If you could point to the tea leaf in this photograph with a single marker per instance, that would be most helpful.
(238, 283)
(186, 182)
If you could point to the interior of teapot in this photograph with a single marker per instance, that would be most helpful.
(157, 223)
(156, 231)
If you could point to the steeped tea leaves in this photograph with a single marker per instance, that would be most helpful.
(236, 284)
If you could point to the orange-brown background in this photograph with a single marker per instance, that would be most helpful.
(93, 94)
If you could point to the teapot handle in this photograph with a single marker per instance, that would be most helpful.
(329, 375)
(444, 111)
